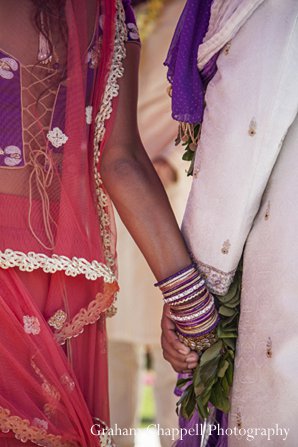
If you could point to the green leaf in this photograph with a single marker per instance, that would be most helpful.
(222, 368)
(188, 403)
(229, 295)
(209, 369)
(211, 353)
(225, 385)
(219, 399)
(230, 342)
(203, 409)
(231, 321)
(188, 155)
(181, 382)
(225, 333)
(233, 304)
(225, 311)
(230, 374)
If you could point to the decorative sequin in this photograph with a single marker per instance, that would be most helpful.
(226, 247)
(7, 67)
(57, 137)
(252, 130)
(267, 212)
(89, 114)
(269, 348)
(31, 325)
(58, 319)
(226, 48)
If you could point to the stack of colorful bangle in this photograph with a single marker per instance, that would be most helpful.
(192, 308)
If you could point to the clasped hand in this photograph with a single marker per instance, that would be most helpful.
(176, 353)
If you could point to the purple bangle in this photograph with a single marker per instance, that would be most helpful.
(200, 333)
(185, 282)
(163, 281)
(196, 321)
(194, 309)
(171, 293)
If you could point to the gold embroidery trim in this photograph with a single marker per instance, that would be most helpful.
(51, 264)
(25, 432)
(89, 315)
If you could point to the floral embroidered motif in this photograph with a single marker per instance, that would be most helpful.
(105, 439)
(226, 48)
(133, 31)
(269, 348)
(58, 319)
(71, 267)
(238, 419)
(57, 137)
(252, 130)
(67, 381)
(31, 325)
(7, 67)
(25, 432)
(41, 423)
(89, 114)
(267, 212)
(226, 247)
(13, 155)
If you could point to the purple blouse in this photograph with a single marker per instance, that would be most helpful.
(12, 152)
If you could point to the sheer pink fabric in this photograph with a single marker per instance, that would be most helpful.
(56, 240)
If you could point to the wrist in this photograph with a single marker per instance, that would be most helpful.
(192, 307)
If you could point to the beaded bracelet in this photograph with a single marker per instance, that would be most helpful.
(192, 307)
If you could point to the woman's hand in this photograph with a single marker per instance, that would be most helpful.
(176, 353)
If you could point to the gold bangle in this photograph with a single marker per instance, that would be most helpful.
(200, 343)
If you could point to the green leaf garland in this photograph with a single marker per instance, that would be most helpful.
(213, 377)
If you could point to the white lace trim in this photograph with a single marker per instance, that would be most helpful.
(105, 111)
(72, 267)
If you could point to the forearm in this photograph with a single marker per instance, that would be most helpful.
(142, 204)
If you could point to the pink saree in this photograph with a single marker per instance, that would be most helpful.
(57, 260)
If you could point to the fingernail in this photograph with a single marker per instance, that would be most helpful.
(183, 351)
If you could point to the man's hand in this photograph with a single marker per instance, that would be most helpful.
(180, 356)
